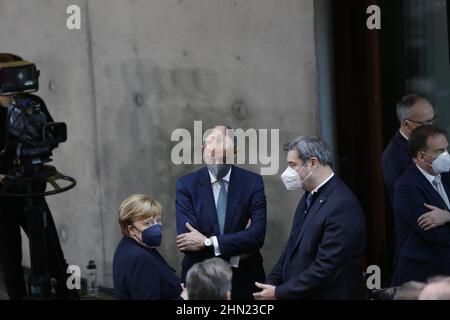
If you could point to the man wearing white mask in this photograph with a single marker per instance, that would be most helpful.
(421, 207)
(323, 256)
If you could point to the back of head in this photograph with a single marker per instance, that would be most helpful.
(437, 289)
(409, 291)
(209, 280)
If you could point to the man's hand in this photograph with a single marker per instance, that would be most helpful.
(268, 292)
(433, 219)
(191, 241)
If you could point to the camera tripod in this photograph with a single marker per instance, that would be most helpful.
(29, 183)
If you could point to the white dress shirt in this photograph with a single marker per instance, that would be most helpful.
(234, 261)
(403, 135)
(430, 178)
(323, 183)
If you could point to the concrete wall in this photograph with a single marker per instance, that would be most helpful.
(136, 71)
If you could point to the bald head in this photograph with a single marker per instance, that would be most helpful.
(414, 111)
(219, 145)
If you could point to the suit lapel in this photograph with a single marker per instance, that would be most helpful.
(317, 205)
(446, 184)
(430, 189)
(207, 199)
(234, 195)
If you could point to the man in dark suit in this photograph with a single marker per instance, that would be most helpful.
(323, 256)
(421, 207)
(221, 211)
(412, 111)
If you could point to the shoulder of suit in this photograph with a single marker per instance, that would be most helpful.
(409, 174)
(245, 172)
(396, 147)
(194, 174)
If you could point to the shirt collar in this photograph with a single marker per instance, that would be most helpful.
(428, 176)
(323, 183)
(403, 135)
(226, 178)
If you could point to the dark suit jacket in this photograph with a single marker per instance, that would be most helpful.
(141, 273)
(246, 200)
(421, 254)
(325, 261)
(396, 160)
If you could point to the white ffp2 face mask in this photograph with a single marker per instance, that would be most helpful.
(291, 179)
(442, 163)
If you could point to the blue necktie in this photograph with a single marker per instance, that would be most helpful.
(309, 199)
(222, 205)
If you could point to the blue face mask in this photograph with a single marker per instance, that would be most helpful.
(152, 236)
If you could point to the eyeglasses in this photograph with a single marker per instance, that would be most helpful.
(426, 122)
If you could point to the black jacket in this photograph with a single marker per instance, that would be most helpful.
(421, 254)
(323, 257)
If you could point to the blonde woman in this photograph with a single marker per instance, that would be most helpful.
(139, 271)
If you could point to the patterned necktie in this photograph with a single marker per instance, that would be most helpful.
(222, 205)
(437, 183)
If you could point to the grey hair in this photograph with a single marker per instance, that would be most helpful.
(405, 105)
(308, 147)
(209, 280)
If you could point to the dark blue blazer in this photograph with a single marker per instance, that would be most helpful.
(420, 253)
(323, 257)
(246, 200)
(141, 273)
(396, 160)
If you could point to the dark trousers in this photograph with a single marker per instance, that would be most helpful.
(13, 217)
(244, 278)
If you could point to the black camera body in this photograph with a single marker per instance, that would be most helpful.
(31, 131)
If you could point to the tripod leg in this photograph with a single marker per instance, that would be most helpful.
(39, 281)
(56, 261)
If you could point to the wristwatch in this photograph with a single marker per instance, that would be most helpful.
(207, 242)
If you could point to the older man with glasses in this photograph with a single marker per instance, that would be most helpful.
(413, 111)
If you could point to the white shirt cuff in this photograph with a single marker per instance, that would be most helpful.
(216, 246)
(234, 261)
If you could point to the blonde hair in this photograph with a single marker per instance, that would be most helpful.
(138, 207)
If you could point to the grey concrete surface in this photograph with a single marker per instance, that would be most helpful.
(136, 71)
